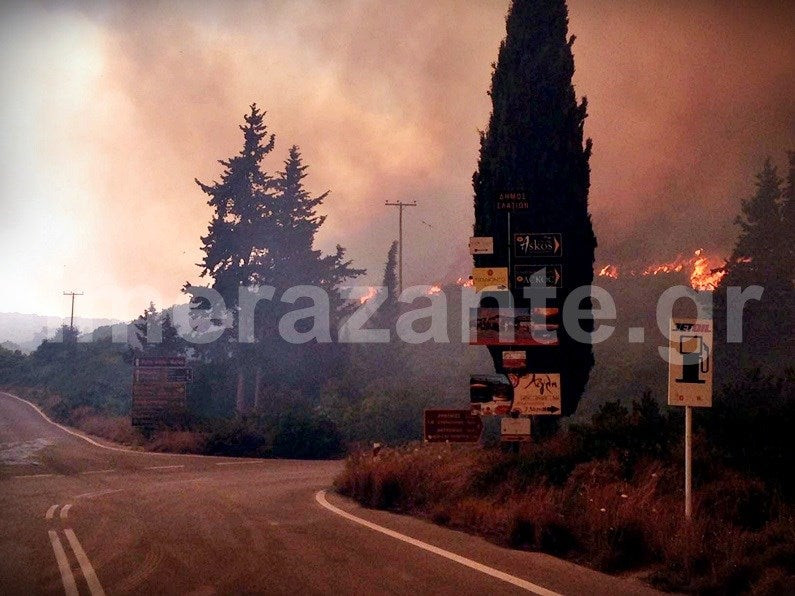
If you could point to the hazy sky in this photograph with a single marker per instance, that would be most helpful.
(108, 111)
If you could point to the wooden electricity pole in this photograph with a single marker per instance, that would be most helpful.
(72, 316)
(400, 205)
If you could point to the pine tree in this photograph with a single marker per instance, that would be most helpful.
(240, 227)
(262, 233)
(295, 259)
(290, 259)
(757, 253)
(787, 234)
(534, 145)
(762, 257)
(241, 217)
(154, 324)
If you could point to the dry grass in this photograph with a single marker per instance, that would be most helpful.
(117, 429)
(740, 539)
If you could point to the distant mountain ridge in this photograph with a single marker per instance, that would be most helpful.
(28, 330)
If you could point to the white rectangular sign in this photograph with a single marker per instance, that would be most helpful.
(481, 245)
(536, 394)
(515, 429)
(690, 361)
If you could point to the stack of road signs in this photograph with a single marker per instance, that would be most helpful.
(159, 391)
(526, 385)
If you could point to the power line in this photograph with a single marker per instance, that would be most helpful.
(400, 205)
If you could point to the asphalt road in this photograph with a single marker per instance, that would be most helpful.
(80, 518)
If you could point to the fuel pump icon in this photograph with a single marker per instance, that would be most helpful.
(695, 358)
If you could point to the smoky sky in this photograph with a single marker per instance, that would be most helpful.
(110, 110)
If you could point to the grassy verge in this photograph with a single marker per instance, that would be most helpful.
(578, 496)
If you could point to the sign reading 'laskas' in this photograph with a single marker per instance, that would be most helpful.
(538, 245)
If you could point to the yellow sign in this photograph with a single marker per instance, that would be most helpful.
(690, 363)
(490, 277)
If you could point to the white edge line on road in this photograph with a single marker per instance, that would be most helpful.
(320, 497)
(67, 578)
(74, 433)
(51, 511)
(164, 467)
(65, 510)
(98, 493)
(34, 476)
(67, 429)
(94, 587)
(99, 471)
(238, 463)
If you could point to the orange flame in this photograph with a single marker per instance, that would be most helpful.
(609, 271)
(705, 272)
(435, 289)
(371, 292)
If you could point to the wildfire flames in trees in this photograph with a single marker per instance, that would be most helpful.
(705, 271)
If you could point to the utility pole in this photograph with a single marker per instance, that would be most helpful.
(400, 205)
(72, 316)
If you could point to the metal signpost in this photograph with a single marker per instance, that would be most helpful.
(690, 368)
(455, 426)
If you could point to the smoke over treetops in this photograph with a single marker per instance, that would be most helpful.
(113, 110)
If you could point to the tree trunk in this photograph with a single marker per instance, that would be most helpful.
(240, 399)
(258, 390)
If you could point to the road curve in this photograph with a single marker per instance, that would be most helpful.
(79, 518)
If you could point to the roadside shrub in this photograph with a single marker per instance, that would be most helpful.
(178, 441)
(238, 437)
(303, 437)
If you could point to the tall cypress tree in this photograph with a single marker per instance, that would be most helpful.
(391, 279)
(534, 146)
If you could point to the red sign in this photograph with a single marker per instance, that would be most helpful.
(456, 426)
